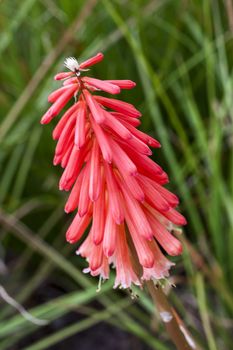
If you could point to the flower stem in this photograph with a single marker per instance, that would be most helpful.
(176, 329)
(174, 326)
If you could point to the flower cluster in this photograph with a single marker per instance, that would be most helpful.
(115, 187)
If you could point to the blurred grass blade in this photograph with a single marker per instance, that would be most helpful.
(201, 298)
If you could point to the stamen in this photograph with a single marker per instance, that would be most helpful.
(99, 284)
(72, 64)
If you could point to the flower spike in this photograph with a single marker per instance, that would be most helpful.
(115, 188)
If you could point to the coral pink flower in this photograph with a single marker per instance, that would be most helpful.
(116, 189)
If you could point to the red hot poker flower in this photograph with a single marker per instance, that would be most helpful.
(116, 189)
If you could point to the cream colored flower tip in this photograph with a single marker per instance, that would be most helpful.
(72, 64)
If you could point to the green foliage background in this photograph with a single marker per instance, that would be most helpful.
(180, 54)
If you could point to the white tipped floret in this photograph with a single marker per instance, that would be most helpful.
(72, 64)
